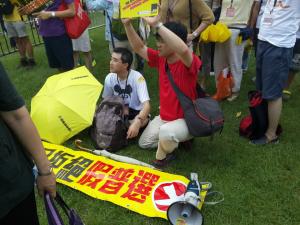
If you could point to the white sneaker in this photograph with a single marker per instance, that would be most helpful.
(233, 97)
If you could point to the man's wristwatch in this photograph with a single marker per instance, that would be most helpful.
(52, 14)
(195, 34)
(158, 25)
(42, 174)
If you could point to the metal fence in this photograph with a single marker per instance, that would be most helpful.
(97, 20)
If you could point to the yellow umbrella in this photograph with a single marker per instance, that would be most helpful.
(65, 105)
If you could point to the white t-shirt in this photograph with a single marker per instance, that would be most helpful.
(279, 23)
(134, 94)
(236, 13)
(213, 4)
(298, 32)
(261, 12)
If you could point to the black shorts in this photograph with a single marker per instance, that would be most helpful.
(59, 51)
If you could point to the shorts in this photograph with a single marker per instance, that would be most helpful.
(16, 29)
(295, 64)
(82, 44)
(59, 52)
(272, 69)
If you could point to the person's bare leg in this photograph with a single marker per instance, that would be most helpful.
(22, 52)
(29, 48)
(29, 51)
(21, 47)
(88, 60)
(274, 113)
(76, 58)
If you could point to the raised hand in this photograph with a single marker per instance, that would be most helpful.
(152, 21)
(126, 21)
(44, 15)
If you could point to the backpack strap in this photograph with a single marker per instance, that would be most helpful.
(62, 204)
(52, 212)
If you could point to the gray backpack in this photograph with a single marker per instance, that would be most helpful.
(109, 128)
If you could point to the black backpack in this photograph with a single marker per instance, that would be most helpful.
(109, 129)
(6, 7)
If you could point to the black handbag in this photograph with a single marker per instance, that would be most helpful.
(53, 215)
(259, 113)
(203, 115)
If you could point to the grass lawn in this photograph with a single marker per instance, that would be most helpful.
(261, 185)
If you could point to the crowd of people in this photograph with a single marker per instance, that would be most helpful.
(272, 25)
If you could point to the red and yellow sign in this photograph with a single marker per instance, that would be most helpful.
(140, 189)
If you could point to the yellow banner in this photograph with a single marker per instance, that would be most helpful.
(140, 189)
(138, 8)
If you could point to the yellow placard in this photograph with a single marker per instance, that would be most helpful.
(138, 8)
(140, 189)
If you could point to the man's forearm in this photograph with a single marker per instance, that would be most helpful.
(254, 14)
(174, 42)
(201, 28)
(142, 117)
(135, 41)
(145, 111)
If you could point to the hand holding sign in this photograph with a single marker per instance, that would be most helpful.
(138, 8)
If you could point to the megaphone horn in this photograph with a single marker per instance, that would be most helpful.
(187, 212)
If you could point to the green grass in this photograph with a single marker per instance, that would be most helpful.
(261, 185)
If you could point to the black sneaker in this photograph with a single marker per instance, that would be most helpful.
(164, 162)
(23, 63)
(264, 141)
(186, 145)
(31, 63)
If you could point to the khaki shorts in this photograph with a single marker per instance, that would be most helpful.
(158, 129)
(82, 44)
(16, 29)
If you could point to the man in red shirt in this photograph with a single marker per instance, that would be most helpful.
(169, 128)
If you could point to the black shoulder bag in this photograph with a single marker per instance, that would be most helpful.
(203, 115)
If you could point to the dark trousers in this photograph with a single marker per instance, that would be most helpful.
(24, 213)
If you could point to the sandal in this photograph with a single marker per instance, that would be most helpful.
(286, 95)
(233, 96)
(264, 140)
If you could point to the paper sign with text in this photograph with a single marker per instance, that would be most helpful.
(138, 8)
(140, 189)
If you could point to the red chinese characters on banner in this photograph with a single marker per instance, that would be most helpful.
(141, 187)
(113, 179)
(116, 181)
(95, 174)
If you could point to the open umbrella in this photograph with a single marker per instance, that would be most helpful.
(65, 105)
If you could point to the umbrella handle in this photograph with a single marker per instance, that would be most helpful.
(78, 143)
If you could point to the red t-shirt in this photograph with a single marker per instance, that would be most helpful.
(185, 78)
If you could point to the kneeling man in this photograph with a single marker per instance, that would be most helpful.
(131, 86)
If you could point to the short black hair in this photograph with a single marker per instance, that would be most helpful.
(177, 28)
(126, 56)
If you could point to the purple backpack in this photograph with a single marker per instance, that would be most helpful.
(53, 215)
